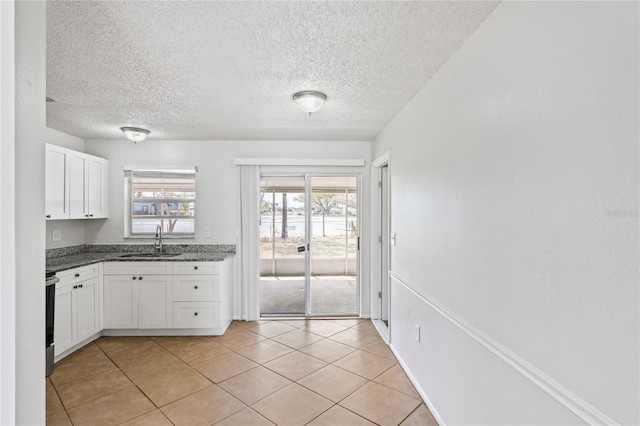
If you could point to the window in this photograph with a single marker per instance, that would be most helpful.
(160, 197)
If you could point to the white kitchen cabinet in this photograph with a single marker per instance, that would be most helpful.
(89, 302)
(202, 295)
(96, 178)
(78, 307)
(167, 295)
(55, 184)
(76, 184)
(65, 326)
(120, 301)
(138, 295)
(154, 301)
(76, 163)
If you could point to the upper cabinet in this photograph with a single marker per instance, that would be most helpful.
(96, 183)
(56, 204)
(76, 184)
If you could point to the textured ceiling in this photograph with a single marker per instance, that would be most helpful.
(228, 70)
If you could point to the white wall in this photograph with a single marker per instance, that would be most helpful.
(7, 215)
(216, 182)
(65, 140)
(71, 231)
(30, 82)
(514, 191)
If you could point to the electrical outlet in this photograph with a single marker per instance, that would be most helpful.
(207, 232)
(56, 235)
(417, 333)
(393, 238)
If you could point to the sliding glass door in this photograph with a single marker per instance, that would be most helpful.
(309, 246)
(333, 238)
(283, 239)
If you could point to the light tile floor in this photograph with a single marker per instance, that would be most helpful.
(294, 372)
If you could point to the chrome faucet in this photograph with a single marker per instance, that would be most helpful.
(159, 237)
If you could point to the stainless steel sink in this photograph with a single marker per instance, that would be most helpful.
(150, 255)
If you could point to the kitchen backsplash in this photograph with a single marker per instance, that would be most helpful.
(138, 248)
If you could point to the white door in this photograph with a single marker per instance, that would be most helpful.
(56, 191)
(96, 187)
(120, 301)
(64, 332)
(75, 170)
(155, 296)
(88, 308)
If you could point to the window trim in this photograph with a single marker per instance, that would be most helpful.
(128, 200)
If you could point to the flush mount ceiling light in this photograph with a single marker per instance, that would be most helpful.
(134, 133)
(309, 100)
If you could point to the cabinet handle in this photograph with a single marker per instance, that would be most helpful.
(77, 275)
(48, 216)
(91, 215)
(75, 286)
(135, 278)
(79, 285)
(140, 278)
(86, 215)
(195, 314)
(195, 267)
(195, 287)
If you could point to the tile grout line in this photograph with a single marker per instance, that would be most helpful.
(133, 383)
(293, 350)
(298, 350)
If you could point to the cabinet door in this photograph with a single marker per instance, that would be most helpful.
(75, 170)
(155, 296)
(56, 190)
(96, 187)
(88, 308)
(120, 301)
(64, 332)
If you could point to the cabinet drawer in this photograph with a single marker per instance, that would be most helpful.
(76, 275)
(193, 288)
(196, 268)
(138, 268)
(196, 314)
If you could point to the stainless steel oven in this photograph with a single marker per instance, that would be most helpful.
(51, 281)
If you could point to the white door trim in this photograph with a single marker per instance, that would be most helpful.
(376, 248)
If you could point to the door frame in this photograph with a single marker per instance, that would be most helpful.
(383, 160)
(307, 176)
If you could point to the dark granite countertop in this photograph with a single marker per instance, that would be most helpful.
(77, 256)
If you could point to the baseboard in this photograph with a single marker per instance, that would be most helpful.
(80, 345)
(414, 381)
(383, 330)
(564, 396)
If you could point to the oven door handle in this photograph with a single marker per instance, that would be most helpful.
(52, 280)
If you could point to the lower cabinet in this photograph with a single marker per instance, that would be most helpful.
(137, 295)
(154, 301)
(120, 302)
(168, 295)
(141, 298)
(78, 307)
